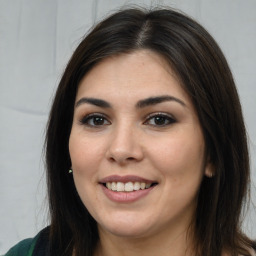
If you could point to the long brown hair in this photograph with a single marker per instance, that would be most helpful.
(204, 73)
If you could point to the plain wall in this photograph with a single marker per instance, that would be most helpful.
(37, 37)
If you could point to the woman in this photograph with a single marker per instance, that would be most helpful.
(146, 147)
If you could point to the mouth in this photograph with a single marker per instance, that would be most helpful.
(126, 189)
(128, 183)
(129, 186)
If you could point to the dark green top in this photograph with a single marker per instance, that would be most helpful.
(36, 246)
(23, 248)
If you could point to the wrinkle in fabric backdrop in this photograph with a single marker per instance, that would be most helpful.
(37, 37)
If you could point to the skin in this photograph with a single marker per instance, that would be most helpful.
(128, 140)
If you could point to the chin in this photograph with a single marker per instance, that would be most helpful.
(130, 228)
(126, 231)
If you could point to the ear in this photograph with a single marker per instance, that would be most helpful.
(209, 169)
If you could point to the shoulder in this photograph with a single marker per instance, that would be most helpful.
(23, 248)
(31, 246)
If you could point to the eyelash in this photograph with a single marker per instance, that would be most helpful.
(168, 120)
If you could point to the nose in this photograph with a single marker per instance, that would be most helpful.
(124, 145)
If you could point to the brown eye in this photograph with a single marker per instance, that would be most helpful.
(94, 120)
(97, 120)
(160, 120)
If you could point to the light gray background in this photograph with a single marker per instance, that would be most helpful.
(37, 38)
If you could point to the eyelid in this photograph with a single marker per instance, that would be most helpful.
(160, 114)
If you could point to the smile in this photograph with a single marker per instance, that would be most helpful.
(128, 186)
(126, 189)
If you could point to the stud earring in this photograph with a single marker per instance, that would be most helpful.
(70, 171)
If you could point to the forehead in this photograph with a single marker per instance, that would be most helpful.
(139, 72)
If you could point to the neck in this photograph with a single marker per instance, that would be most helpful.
(164, 244)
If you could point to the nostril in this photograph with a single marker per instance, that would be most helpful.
(112, 159)
(130, 158)
(121, 159)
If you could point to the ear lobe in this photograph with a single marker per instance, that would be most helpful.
(209, 170)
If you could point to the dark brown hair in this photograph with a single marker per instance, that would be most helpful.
(204, 73)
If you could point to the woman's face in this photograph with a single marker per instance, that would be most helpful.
(136, 147)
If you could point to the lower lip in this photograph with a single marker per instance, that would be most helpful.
(126, 197)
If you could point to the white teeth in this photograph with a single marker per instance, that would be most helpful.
(148, 185)
(108, 184)
(113, 186)
(120, 186)
(128, 186)
(136, 186)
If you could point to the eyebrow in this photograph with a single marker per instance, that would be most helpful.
(95, 102)
(158, 99)
(140, 104)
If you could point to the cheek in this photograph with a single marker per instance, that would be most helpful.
(179, 156)
(85, 161)
(84, 152)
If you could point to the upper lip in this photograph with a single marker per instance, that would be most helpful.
(126, 178)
